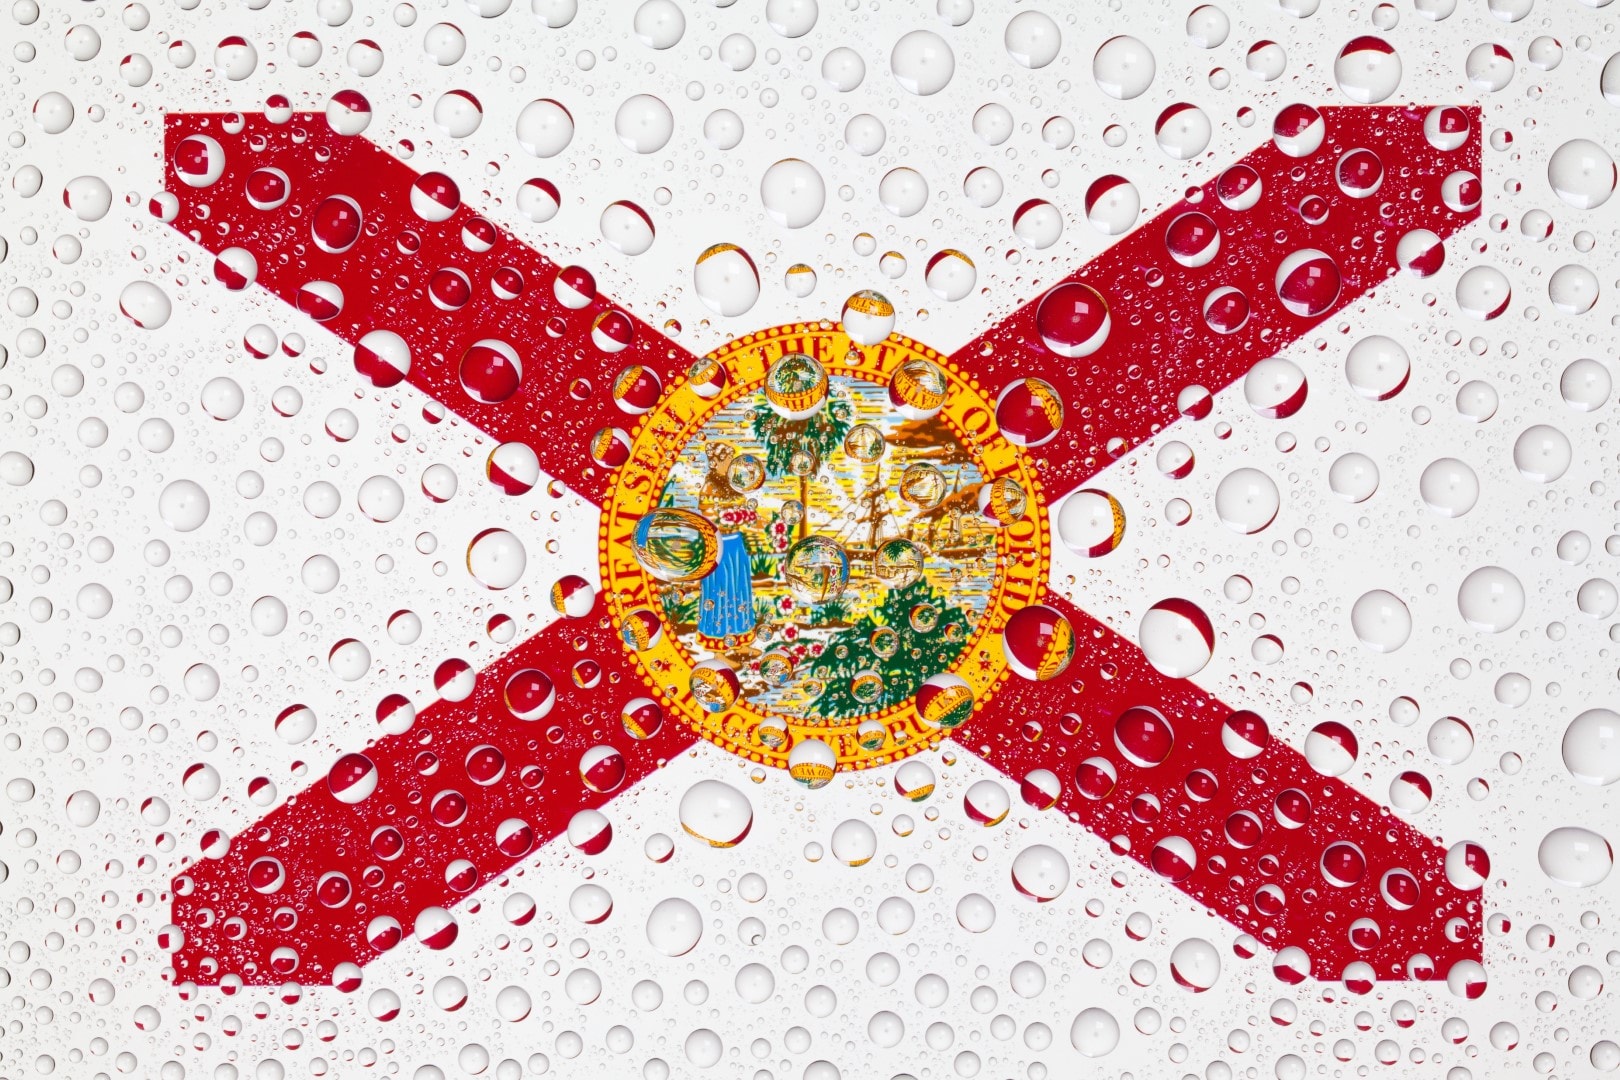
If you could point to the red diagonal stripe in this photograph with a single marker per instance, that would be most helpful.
(565, 396)
(1160, 344)
(314, 834)
(1110, 675)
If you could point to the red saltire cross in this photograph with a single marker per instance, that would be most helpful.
(347, 881)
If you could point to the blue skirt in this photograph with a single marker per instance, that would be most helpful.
(726, 611)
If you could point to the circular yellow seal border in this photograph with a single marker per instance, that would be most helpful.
(1023, 549)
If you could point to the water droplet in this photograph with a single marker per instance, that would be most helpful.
(793, 193)
(1491, 599)
(922, 62)
(1576, 857)
(674, 926)
(1381, 621)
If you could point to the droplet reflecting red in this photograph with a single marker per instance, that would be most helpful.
(1144, 736)
(1073, 320)
(1308, 283)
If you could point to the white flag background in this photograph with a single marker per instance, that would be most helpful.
(130, 650)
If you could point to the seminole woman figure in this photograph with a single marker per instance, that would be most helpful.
(726, 608)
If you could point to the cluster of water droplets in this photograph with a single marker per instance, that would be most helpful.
(218, 560)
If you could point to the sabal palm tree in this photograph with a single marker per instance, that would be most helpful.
(821, 434)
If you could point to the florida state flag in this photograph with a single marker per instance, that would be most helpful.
(793, 539)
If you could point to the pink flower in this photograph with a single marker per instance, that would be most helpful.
(790, 632)
(815, 650)
(785, 604)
